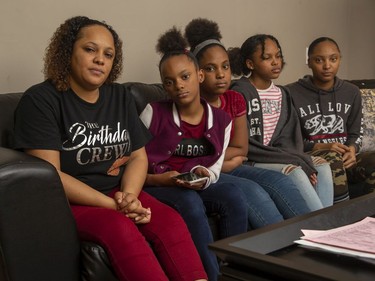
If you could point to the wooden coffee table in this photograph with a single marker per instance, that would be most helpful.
(270, 254)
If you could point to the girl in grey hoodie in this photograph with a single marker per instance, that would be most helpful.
(275, 140)
(330, 114)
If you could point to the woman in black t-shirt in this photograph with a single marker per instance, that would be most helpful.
(87, 127)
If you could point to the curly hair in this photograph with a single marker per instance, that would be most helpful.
(199, 30)
(57, 59)
(238, 56)
(172, 43)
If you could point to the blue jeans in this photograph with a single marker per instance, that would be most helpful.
(316, 198)
(271, 196)
(223, 198)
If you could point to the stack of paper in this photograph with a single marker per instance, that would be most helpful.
(357, 239)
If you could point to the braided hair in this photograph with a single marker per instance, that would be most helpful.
(238, 56)
(314, 43)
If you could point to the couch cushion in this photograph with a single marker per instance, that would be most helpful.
(368, 101)
(367, 88)
(95, 263)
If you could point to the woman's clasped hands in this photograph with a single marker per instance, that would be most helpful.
(130, 206)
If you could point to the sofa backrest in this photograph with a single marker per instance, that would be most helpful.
(146, 93)
(8, 104)
(142, 93)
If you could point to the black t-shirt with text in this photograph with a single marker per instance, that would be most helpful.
(95, 140)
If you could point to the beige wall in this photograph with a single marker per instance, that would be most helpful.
(26, 26)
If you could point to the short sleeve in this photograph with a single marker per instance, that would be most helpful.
(236, 103)
(36, 121)
(138, 131)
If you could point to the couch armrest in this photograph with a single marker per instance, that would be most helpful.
(38, 237)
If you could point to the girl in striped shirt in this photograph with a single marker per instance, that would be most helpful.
(275, 139)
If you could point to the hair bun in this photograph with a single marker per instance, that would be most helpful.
(171, 41)
(200, 29)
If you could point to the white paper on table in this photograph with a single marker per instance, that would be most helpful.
(336, 250)
(359, 236)
(309, 232)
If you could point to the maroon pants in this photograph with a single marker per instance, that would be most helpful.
(159, 250)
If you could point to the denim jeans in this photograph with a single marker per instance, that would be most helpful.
(271, 196)
(226, 199)
(316, 198)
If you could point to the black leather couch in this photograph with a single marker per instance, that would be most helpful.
(38, 237)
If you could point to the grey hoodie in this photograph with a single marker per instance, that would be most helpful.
(286, 145)
(328, 116)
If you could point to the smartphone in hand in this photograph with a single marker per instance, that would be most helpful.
(190, 178)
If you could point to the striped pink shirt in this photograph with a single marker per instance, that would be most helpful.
(271, 99)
